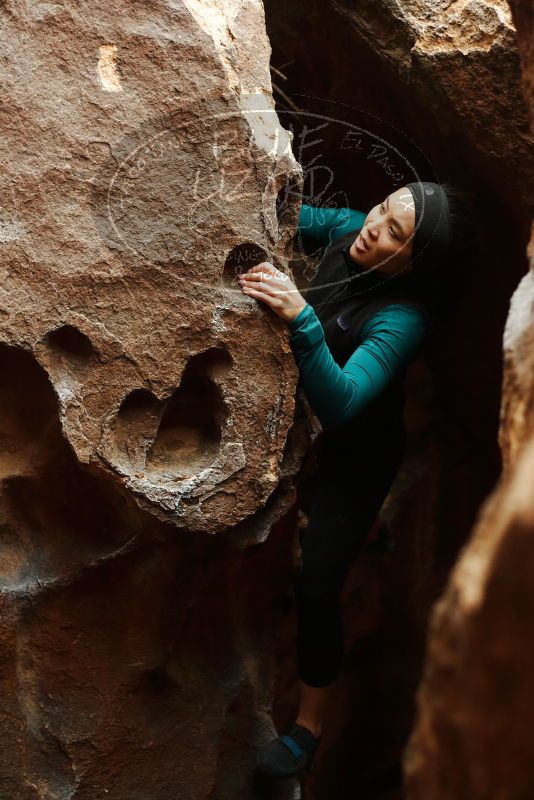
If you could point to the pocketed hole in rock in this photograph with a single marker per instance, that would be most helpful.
(184, 431)
(240, 259)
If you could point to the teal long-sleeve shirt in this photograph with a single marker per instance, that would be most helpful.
(391, 338)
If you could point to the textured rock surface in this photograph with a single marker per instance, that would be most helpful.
(145, 402)
(517, 414)
(473, 733)
(461, 58)
(141, 150)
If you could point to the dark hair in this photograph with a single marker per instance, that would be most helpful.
(442, 284)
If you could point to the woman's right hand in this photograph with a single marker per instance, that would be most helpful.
(275, 288)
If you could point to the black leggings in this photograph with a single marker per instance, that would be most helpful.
(351, 486)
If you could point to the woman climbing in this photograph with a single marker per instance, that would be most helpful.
(378, 294)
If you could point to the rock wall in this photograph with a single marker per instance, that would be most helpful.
(462, 61)
(146, 402)
(143, 163)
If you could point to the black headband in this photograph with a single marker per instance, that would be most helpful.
(432, 224)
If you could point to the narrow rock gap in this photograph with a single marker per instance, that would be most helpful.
(338, 63)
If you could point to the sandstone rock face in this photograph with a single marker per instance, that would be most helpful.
(143, 160)
(145, 402)
(472, 738)
(462, 59)
(517, 412)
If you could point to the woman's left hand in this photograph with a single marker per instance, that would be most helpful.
(266, 283)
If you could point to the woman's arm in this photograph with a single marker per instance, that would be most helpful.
(392, 339)
(327, 224)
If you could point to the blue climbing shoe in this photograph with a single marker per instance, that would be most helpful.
(289, 753)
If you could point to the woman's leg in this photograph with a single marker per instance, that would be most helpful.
(312, 706)
(348, 498)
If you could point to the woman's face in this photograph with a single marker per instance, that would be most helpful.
(386, 238)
